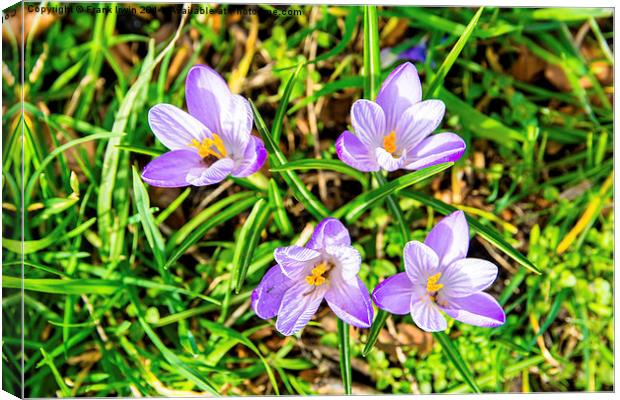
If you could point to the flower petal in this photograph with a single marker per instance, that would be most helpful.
(350, 301)
(417, 122)
(329, 232)
(399, 91)
(267, 296)
(436, 149)
(346, 259)
(394, 294)
(368, 122)
(296, 260)
(253, 158)
(450, 238)
(299, 304)
(387, 161)
(236, 121)
(420, 262)
(171, 168)
(427, 316)
(175, 128)
(214, 173)
(353, 152)
(207, 96)
(467, 276)
(479, 309)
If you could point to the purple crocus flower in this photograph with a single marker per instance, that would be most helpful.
(415, 53)
(326, 268)
(211, 142)
(395, 131)
(439, 278)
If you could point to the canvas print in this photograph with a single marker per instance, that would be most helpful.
(208, 199)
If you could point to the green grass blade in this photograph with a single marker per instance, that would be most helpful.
(152, 233)
(488, 233)
(277, 158)
(64, 389)
(454, 356)
(278, 120)
(280, 217)
(375, 329)
(372, 60)
(247, 242)
(353, 210)
(330, 165)
(344, 346)
(439, 77)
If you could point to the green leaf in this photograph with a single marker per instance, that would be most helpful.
(331, 165)
(450, 350)
(151, 231)
(439, 77)
(277, 158)
(372, 60)
(375, 329)
(61, 383)
(571, 14)
(280, 217)
(353, 210)
(344, 346)
(281, 111)
(247, 242)
(488, 233)
(58, 235)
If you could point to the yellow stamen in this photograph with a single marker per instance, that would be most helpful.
(432, 285)
(389, 142)
(316, 277)
(206, 149)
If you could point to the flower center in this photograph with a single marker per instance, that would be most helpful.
(210, 147)
(389, 142)
(316, 277)
(432, 285)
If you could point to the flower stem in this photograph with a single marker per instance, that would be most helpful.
(345, 355)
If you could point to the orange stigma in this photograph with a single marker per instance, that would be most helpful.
(389, 142)
(316, 277)
(210, 147)
(432, 285)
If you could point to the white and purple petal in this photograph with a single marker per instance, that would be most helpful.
(387, 161)
(450, 238)
(479, 309)
(420, 262)
(253, 158)
(207, 96)
(236, 121)
(436, 149)
(171, 168)
(350, 301)
(427, 315)
(298, 305)
(208, 175)
(368, 122)
(329, 232)
(399, 91)
(394, 294)
(175, 128)
(296, 261)
(346, 260)
(353, 152)
(467, 276)
(267, 296)
(418, 122)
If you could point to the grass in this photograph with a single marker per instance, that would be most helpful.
(133, 290)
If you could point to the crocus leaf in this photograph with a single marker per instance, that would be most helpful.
(151, 231)
(490, 234)
(248, 241)
(331, 165)
(280, 217)
(375, 329)
(450, 350)
(278, 120)
(344, 346)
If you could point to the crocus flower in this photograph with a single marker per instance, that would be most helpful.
(326, 268)
(395, 131)
(211, 142)
(439, 278)
(415, 53)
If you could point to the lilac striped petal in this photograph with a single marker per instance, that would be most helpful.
(350, 301)
(417, 122)
(207, 96)
(236, 121)
(387, 161)
(171, 168)
(436, 149)
(267, 296)
(450, 238)
(368, 122)
(175, 128)
(296, 261)
(467, 276)
(420, 262)
(426, 315)
(479, 309)
(253, 158)
(353, 152)
(394, 294)
(329, 232)
(400, 91)
(346, 259)
(215, 173)
(299, 304)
